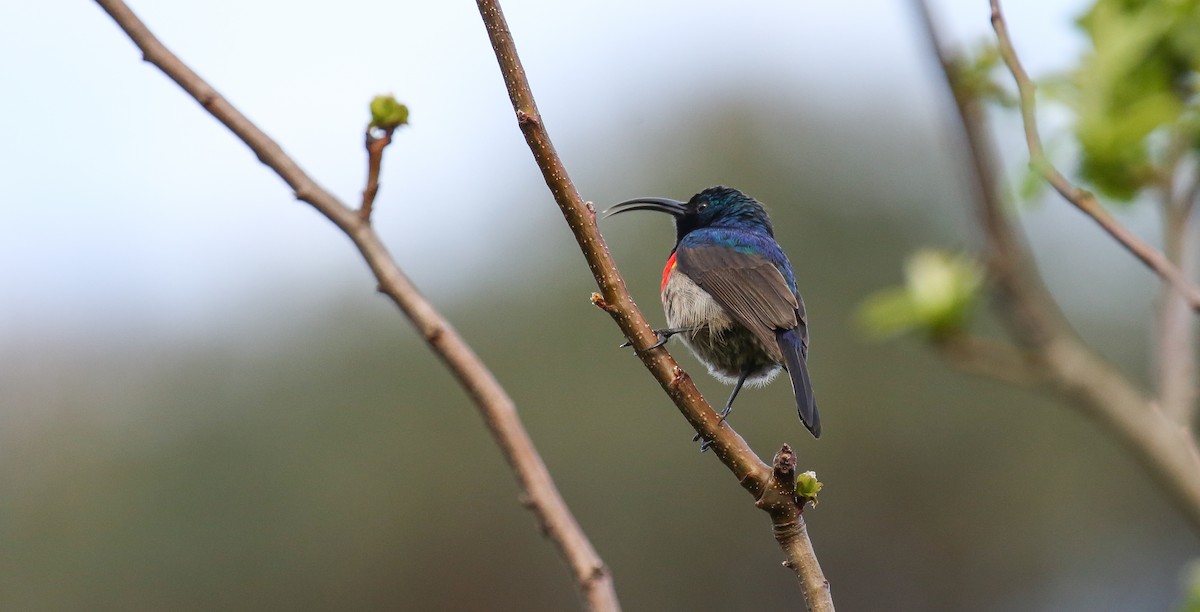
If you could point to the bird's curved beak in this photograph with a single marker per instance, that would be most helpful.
(675, 208)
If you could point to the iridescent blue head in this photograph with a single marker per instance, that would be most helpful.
(714, 207)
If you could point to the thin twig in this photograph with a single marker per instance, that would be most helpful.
(1082, 199)
(1176, 363)
(1166, 450)
(1176, 327)
(729, 447)
(375, 146)
(538, 491)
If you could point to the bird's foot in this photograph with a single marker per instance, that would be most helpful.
(708, 442)
(662, 334)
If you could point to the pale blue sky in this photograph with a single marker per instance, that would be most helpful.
(126, 208)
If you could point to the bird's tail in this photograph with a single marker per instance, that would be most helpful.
(793, 357)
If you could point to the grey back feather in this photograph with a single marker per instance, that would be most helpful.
(750, 288)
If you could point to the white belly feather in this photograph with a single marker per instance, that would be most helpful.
(712, 335)
(688, 306)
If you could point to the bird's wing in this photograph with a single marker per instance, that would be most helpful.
(749, 287)
(756, 294)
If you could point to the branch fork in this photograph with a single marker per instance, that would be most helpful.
(1167, 450)
(1082, 199)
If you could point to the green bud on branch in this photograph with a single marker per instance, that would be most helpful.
(807, 486)
(387, 113)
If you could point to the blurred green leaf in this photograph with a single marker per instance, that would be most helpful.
(387, 113)
(1137, 80)
(975, 76)
(939, 291)
(888, 313)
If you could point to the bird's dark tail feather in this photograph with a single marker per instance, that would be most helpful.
(793, 357)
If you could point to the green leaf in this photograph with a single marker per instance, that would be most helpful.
(387, 113)
(888, 313)
(807, 486)
(1133, 84)
(975, 76)
(939, 292)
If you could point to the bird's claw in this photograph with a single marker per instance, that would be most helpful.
(708, 442)
(662, 334)
(662, 339)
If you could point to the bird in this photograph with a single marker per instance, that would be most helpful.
(729, 292)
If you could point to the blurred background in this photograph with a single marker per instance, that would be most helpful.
(205, 405)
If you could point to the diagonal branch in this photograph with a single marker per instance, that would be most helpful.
(754, 475)
(1176, 333)
(1080, 198)
(1166, 450)
(499, 413)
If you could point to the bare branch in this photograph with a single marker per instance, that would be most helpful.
(375, 146)
(497, 409)
(787, 522)
(1166, 450)
(1080, 198)
(614, 298)
(1176, 363)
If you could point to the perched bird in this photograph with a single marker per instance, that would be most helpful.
(729, 292)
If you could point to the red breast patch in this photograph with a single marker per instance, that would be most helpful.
(667, 271)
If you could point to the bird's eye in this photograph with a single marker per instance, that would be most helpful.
(702, 206)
